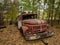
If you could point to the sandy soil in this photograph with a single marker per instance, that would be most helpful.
(12, 36)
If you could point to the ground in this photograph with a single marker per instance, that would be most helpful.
(12, 36)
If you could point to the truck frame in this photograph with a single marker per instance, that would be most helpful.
(33, 28)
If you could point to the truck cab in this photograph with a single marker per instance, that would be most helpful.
(32, 27)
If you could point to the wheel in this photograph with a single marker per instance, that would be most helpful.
(27, 32)
(21, 30)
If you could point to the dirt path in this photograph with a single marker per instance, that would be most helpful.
(12, 36)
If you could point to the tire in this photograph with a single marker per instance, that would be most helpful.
(21, 30)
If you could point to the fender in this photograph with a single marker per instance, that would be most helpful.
(24, 28)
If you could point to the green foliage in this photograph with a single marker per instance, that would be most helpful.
(53, 9)
(1, 6)
(12, 12)
(29, 5)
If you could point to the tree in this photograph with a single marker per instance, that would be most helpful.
(11, 9)
(1, 15)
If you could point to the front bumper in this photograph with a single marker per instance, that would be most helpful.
(38, 35)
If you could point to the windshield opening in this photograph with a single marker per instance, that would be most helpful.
(24, 17)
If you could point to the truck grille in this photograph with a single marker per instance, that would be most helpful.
(40, 28)
(36, 27)
(44, 27)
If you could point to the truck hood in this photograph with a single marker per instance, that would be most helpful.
(34, 21)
